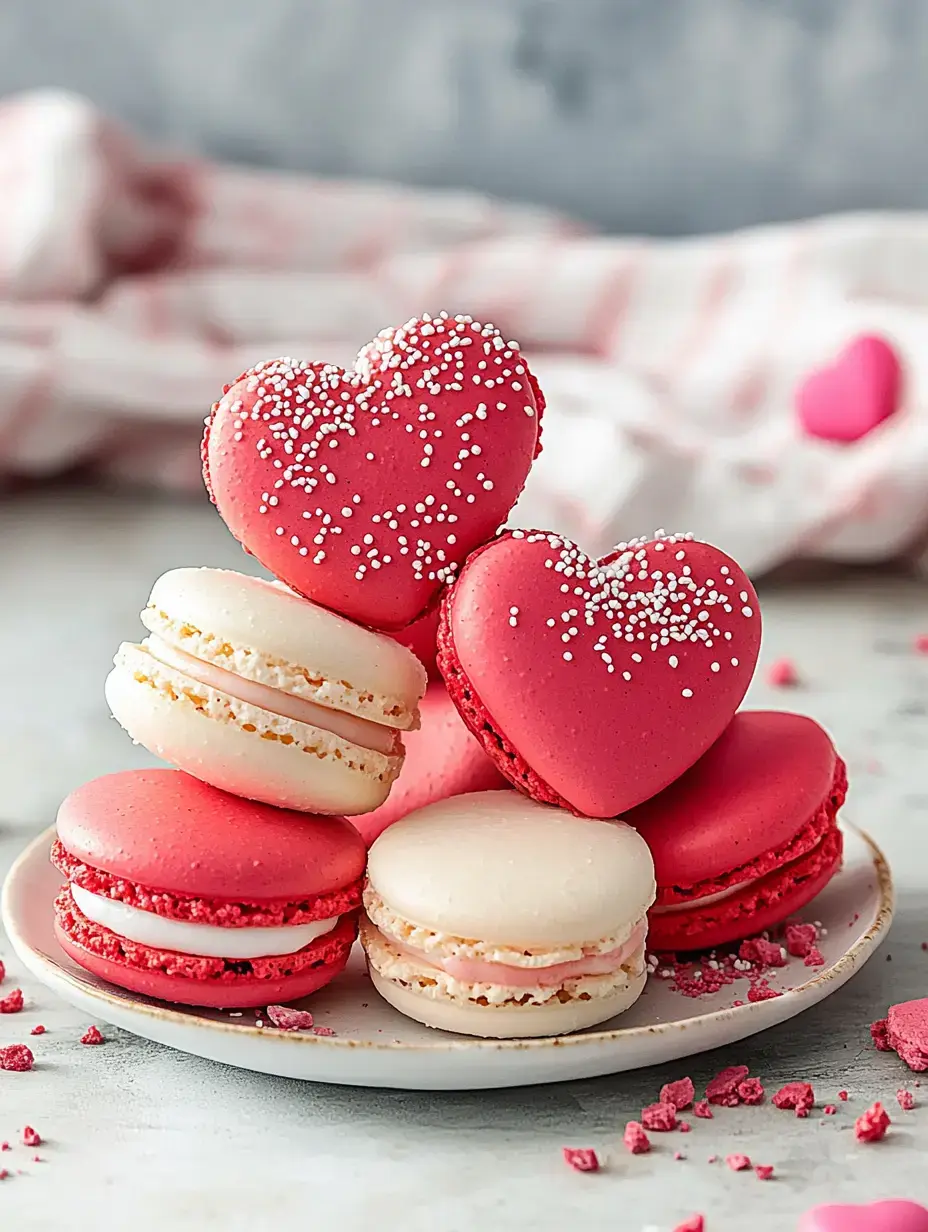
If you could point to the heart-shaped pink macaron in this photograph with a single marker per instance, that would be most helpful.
(891, 1216)
(849, 398)
(595, 684)
(366, 490)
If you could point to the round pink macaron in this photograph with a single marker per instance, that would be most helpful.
(443, 759)
(179, 891)
(748, 835)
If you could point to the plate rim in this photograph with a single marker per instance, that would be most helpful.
(841, 970)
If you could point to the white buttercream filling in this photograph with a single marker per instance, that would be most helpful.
(203, 940)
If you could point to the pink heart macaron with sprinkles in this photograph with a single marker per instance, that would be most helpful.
(366, 490)
(593, 684)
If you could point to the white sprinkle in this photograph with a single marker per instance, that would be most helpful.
(673, 661)
(687, 693)
(568, 656)
(714, 667)
(747, 611)
(734, 662)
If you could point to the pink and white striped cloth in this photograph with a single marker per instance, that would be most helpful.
(132, 288)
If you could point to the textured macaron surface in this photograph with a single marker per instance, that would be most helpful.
(366, 490)
(442, 759)
(165, 830)
(595, 684)
(497, 867)
(757, 788)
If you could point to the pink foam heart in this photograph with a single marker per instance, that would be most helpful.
(892, 1216)
(852, 396)
(594, 684)
(366, 490)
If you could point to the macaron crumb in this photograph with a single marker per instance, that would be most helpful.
(680, 1093)
(763, 1172)
(326, 1031)
(31, 1137)
(684, 1127)
(659, 1118)
(738, 1163)
(636, 1140)
(38, 1029)
(762, 991)
(696, 1223)
(723, 1089)
(797, 1096)
(921, 643)
(285, 1018)
(801, 939)
(751, 1091)
(16, 1057)
(2, 971)
(815, 958)
(5, 1146)
(782, 674)
(760, 950)
(678, 1155)
(872, 1125)
(905, 1099)
(581, 1159)
(829, 1110)
(843, 1096)
(93, 1035)
(701, 1109)
(12, 1003)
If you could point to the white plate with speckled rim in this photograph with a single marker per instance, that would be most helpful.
(375, 1046)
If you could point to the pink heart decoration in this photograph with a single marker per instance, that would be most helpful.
(594, 684)
(366, 490)
(852, 396)
(891, 1216)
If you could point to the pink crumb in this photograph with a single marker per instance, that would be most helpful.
(2, 972)
(4, 1173)
(762, 992)
(921, 643)
(660, 1118)
(286, 1019)
(763, 1172)
(93, 1035)
(879, 1033)
(30, 1137)
(723, 1089)
(758, 949)
(905, 1099)
(5, 1146)
(580, 1159)
(712, 1159)
(800, 939)
(680, 1093)
(12, 1003)
(635, 1139)
(782, 674)
(695, 1223)
(701, 1109)
(678, 1155)
(38, 1029)
(16, 1057)
(751, 1091)
(684, 1127)
(323, 1031)
(814, 958)
(872, 1125)
(842, 1095)
(738, 1163)
(829, 1110)
(798, 1095)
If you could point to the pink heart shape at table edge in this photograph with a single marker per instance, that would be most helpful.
(895, 1215)
(850, 397)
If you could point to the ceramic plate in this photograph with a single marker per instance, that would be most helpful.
(375, 1046)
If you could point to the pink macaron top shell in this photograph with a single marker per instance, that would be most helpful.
(760, 783)
(550, 660)
(442, 759)
(421, 638)
(166, 830)
(895, 1215)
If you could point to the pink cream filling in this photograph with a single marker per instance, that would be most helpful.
(363, 732)
(475, 971)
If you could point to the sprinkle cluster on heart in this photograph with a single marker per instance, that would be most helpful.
(366, 490)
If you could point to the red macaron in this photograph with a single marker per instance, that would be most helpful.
(185, 893)
(748, 835)
(365, 490)
(442, 759)
(594, 684)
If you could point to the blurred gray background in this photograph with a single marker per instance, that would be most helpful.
(659, 116)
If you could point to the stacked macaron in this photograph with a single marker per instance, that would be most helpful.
(604, 692)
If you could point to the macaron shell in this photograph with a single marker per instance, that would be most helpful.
(172, 725)
(755, 788)
(507, 1021)
(498, 867)
(759, 906)
(421, 637)
(442, 759)
(530, 682)
(894, 1215)
(165, 829)
(240, 992)
(437, 415)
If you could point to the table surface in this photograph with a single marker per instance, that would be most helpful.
(140, 1136)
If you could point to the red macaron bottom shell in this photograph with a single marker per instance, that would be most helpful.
(507, 759)
(204, 910)
(190, 979)
(759, 906)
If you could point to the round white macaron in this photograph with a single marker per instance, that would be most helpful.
(492, 915)
(248, 687)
